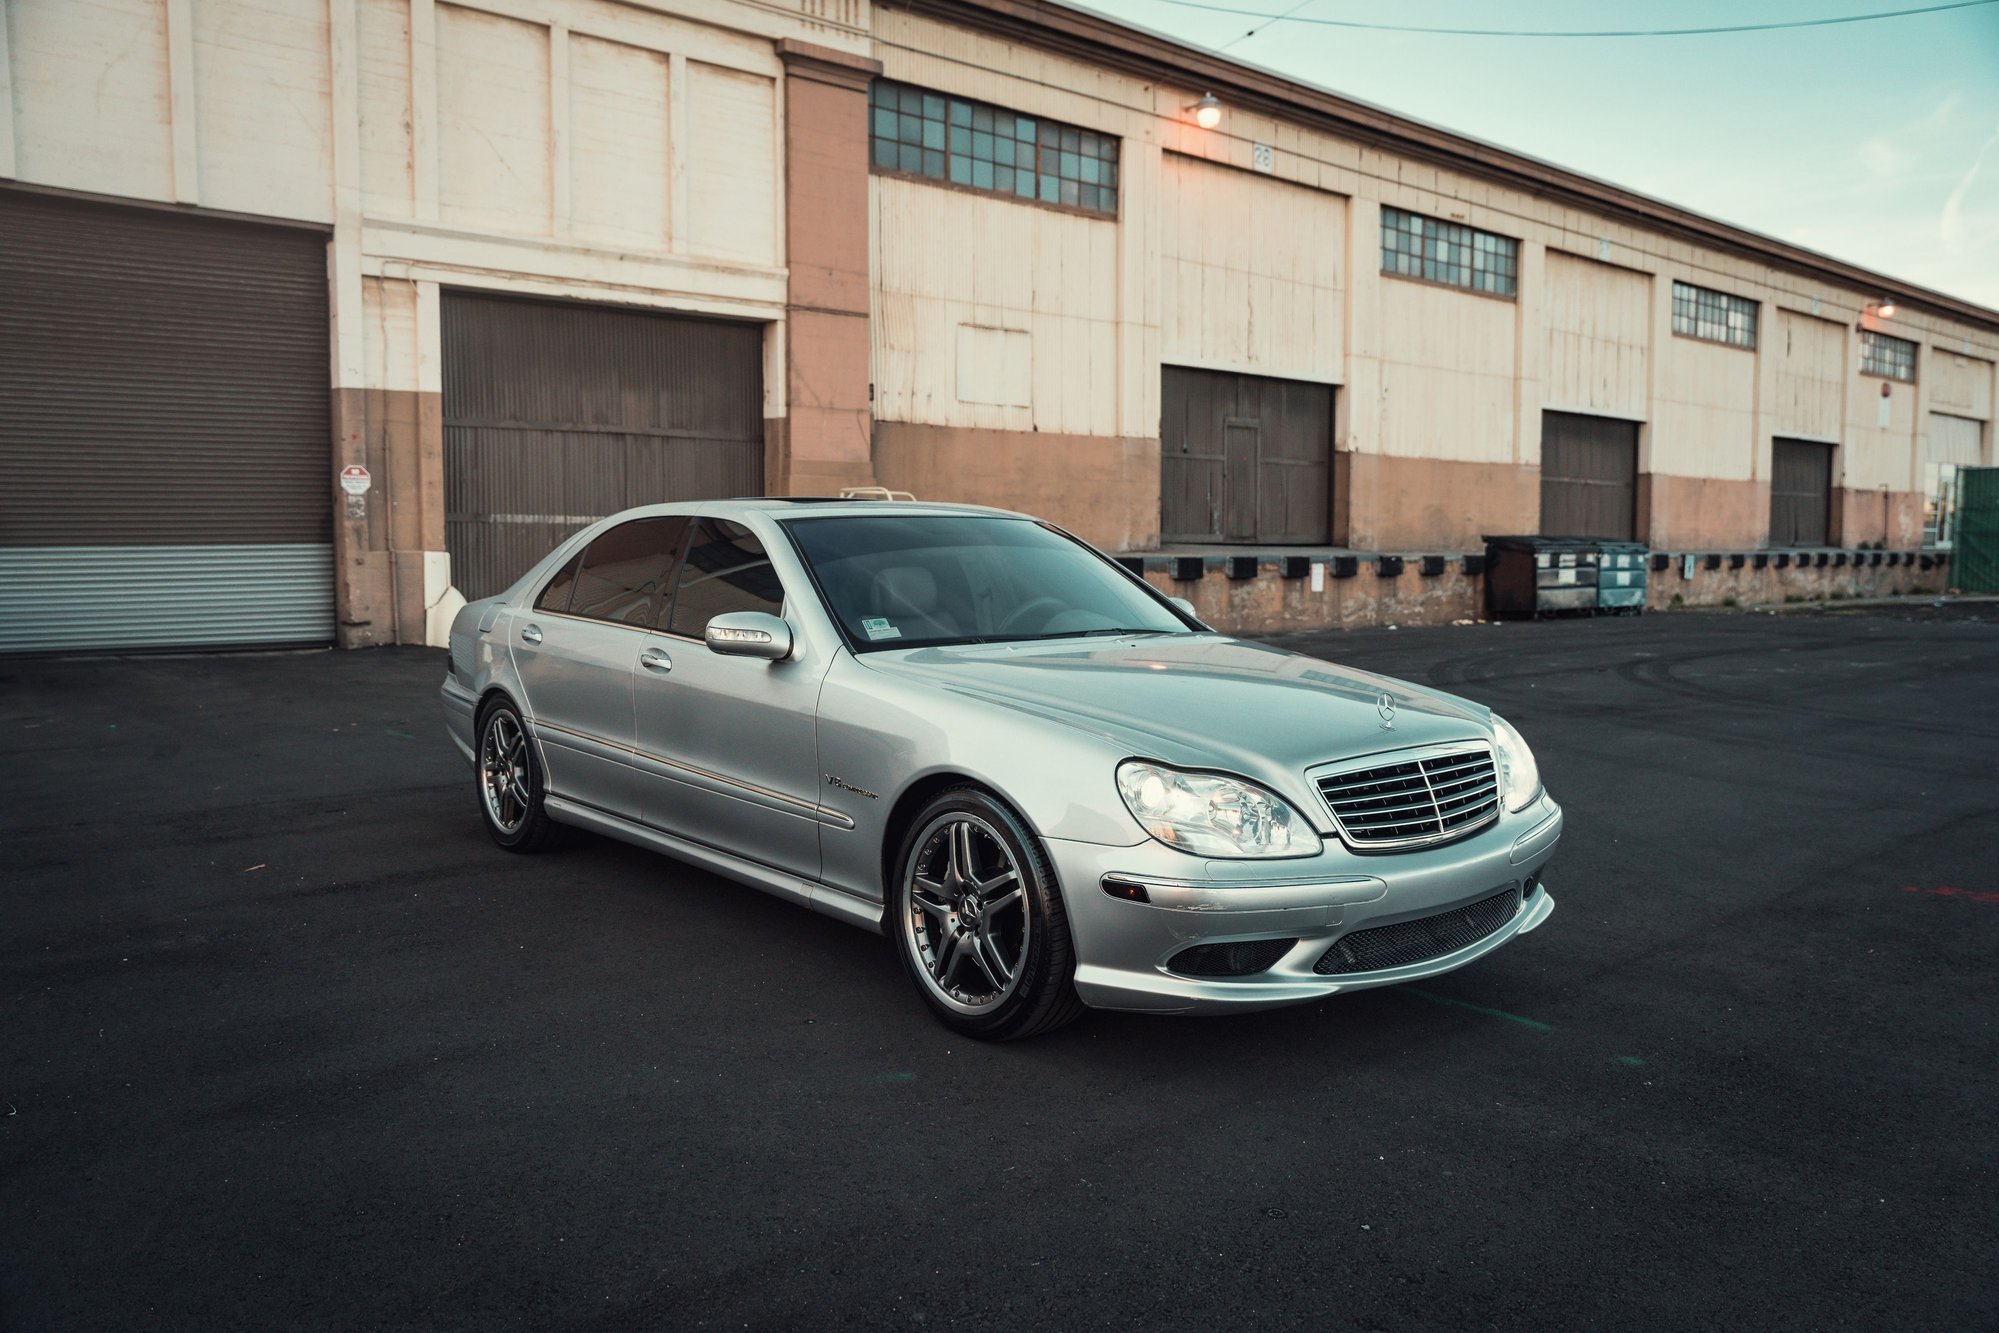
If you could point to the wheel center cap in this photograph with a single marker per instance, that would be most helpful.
(968, 908)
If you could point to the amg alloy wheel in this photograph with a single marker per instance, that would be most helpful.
(510, 789)
(978, 921)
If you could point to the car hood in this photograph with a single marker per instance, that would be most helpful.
(1205, 700)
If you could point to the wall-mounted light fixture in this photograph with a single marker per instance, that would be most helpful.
(1207, 111)
(1880, 309)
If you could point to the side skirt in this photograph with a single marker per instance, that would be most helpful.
(821, 898)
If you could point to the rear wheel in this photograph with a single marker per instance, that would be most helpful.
(510, 787)
(978, 921)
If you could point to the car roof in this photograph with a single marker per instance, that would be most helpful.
(815, 506)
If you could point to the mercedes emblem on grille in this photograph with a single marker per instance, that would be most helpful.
(1385, 706)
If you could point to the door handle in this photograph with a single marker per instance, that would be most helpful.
(531, 634)
(652, 659)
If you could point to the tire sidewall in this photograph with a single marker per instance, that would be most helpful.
(1044, 918)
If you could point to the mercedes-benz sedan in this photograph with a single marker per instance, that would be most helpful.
(1050, 786)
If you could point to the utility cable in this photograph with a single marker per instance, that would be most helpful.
(1288, 17)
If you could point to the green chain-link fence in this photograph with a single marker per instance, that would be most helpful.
(1975, 559)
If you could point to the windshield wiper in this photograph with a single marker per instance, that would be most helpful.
(1098, 633)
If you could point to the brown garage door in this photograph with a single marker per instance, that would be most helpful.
(556, 415)
(1244, 458)
(164, 430)
(1589, 476)
(1800, 492)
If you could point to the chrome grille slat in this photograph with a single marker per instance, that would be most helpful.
(1414, 799)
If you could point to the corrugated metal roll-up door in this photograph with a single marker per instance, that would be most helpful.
(1244, 458)
(1589, 476)
(164, 430)
(1800, 492)
(1953, 444)
(557, 414)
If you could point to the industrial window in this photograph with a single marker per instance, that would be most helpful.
(1891, 358)
(1715, 316)
(1419, 247)
(984, 147)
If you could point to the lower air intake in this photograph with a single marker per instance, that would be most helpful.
(1239, 959)
(1409, 942)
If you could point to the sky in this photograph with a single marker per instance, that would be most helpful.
(1877, 143)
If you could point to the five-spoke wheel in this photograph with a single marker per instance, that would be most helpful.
(968, 918)
(978, 921)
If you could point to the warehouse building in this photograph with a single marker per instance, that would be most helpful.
(317, 316)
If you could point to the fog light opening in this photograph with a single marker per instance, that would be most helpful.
(1238, 958)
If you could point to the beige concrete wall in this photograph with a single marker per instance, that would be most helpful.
(1598, 319)
(1448, 364)
(1440, 374)
(1250, 272)
(1704, 412)
(1959, 385)
(992, 315)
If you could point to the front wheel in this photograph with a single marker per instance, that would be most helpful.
(510, 786)
(978, 922)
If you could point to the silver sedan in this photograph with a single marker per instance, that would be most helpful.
(1050, 786)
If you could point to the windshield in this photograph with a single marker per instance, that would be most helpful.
(904, 581)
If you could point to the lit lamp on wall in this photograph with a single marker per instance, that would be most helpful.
(1874, 310)
(1207, 111)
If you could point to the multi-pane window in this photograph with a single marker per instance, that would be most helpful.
(1715, 316)
(1420, 247)
(984, 147)
(1892, 358)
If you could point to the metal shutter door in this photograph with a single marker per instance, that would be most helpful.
(1244, 458)
(556, 415)
(1589, 477)
(1954, 440)
(164, 427)
(1800, 492)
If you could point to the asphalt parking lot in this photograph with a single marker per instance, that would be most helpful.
(289, 1044)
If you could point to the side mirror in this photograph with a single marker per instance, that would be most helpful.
(1184, 605)
(749, 634)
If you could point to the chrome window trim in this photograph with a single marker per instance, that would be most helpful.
(1411, 754)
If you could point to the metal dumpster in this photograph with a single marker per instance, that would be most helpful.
(1538, 576)
(1621, 578)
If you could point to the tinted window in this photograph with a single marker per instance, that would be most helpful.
(898, 581)
(555, 597)
(623, 575)
(726, 570)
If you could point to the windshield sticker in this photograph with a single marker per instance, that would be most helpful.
(879, 628)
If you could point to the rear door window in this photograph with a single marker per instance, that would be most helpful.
(726, 570)
(555, 597)
(625, 575)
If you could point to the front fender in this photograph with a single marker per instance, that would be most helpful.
(884, 734)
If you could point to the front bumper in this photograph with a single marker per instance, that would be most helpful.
(1124, 948)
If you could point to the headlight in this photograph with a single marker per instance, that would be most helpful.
(1212, 816)
(1519, 775)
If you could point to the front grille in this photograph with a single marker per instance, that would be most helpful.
(1423, 799)
(1418, 941)
(1238, 959)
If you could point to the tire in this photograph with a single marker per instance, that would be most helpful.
(511, 803)
(971, 891)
